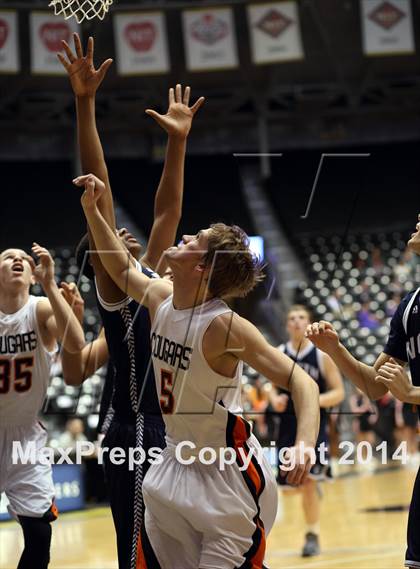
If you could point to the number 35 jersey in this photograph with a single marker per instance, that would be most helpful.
(24, 366)
(198, 404)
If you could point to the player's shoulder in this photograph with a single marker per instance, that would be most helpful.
(41, 307)
(224, 328)
(404, 303)
(39, 302)
(408, 297)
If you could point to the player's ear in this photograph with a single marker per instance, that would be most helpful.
(201, 267)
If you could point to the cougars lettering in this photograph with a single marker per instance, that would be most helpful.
(20, 343)
(170, 352)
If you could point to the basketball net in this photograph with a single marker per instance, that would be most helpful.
(81, 9)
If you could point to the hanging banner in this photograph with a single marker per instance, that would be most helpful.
(141, 43)
(387, 27)
(47, 31)
(275, 32)
(209, 39)
(9, 44)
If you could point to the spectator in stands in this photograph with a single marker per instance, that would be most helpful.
(334, 303)
(376, 260)
(366, 318)
(73, 434)
(338, 308)
(404, 267)
(392, 304)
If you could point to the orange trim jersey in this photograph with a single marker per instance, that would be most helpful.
(195, 400)
(24, 366)
(201, 514)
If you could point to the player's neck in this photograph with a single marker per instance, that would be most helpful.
(11, 302)
(299, 344)
(186, 296)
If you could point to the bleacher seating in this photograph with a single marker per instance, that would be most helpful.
(371, 271)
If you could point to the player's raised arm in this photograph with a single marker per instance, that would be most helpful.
(325, 337)
(85, 81)
(57, 320)
(120, 265)
(168, 201)
(285, 373)
(80, 365)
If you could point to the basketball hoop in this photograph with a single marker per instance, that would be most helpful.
(81, 9)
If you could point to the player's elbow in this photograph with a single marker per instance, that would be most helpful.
(72, 378)
(74, 346)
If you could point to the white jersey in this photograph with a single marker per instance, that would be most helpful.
(199, 514)
(24, 366)
(198, 404)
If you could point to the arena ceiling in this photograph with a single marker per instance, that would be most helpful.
(335, 96)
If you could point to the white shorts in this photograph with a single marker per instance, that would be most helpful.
(28, 487)
(202, 517)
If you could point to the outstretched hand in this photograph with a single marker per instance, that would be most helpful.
(323, 335)
(178, 119)
(72, 296)
(94, 188)
(44, 270)
(393, 376)
(84, 78)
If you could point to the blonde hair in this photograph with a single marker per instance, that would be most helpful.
(234, 269)
(296, 307)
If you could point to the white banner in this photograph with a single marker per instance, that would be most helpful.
(209, 39)
(387, 27)
(9, 44)
(141, 43)
(47, 31)
(275, 32)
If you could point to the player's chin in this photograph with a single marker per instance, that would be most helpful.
(171, 252)
(13, 277)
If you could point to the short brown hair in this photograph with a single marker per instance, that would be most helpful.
(296, 307)
(235, 270)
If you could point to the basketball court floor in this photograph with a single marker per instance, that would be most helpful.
(363, 526)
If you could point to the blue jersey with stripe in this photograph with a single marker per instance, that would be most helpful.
(127, 331)
(404, 337)
(309, 360)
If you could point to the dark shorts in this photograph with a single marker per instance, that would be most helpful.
(412, 556)
(410, 415)
(125, 486)
(365, 426)
(321, 469)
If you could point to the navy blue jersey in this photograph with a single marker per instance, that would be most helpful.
(127, 332)
(309, 360)
(404, 337)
